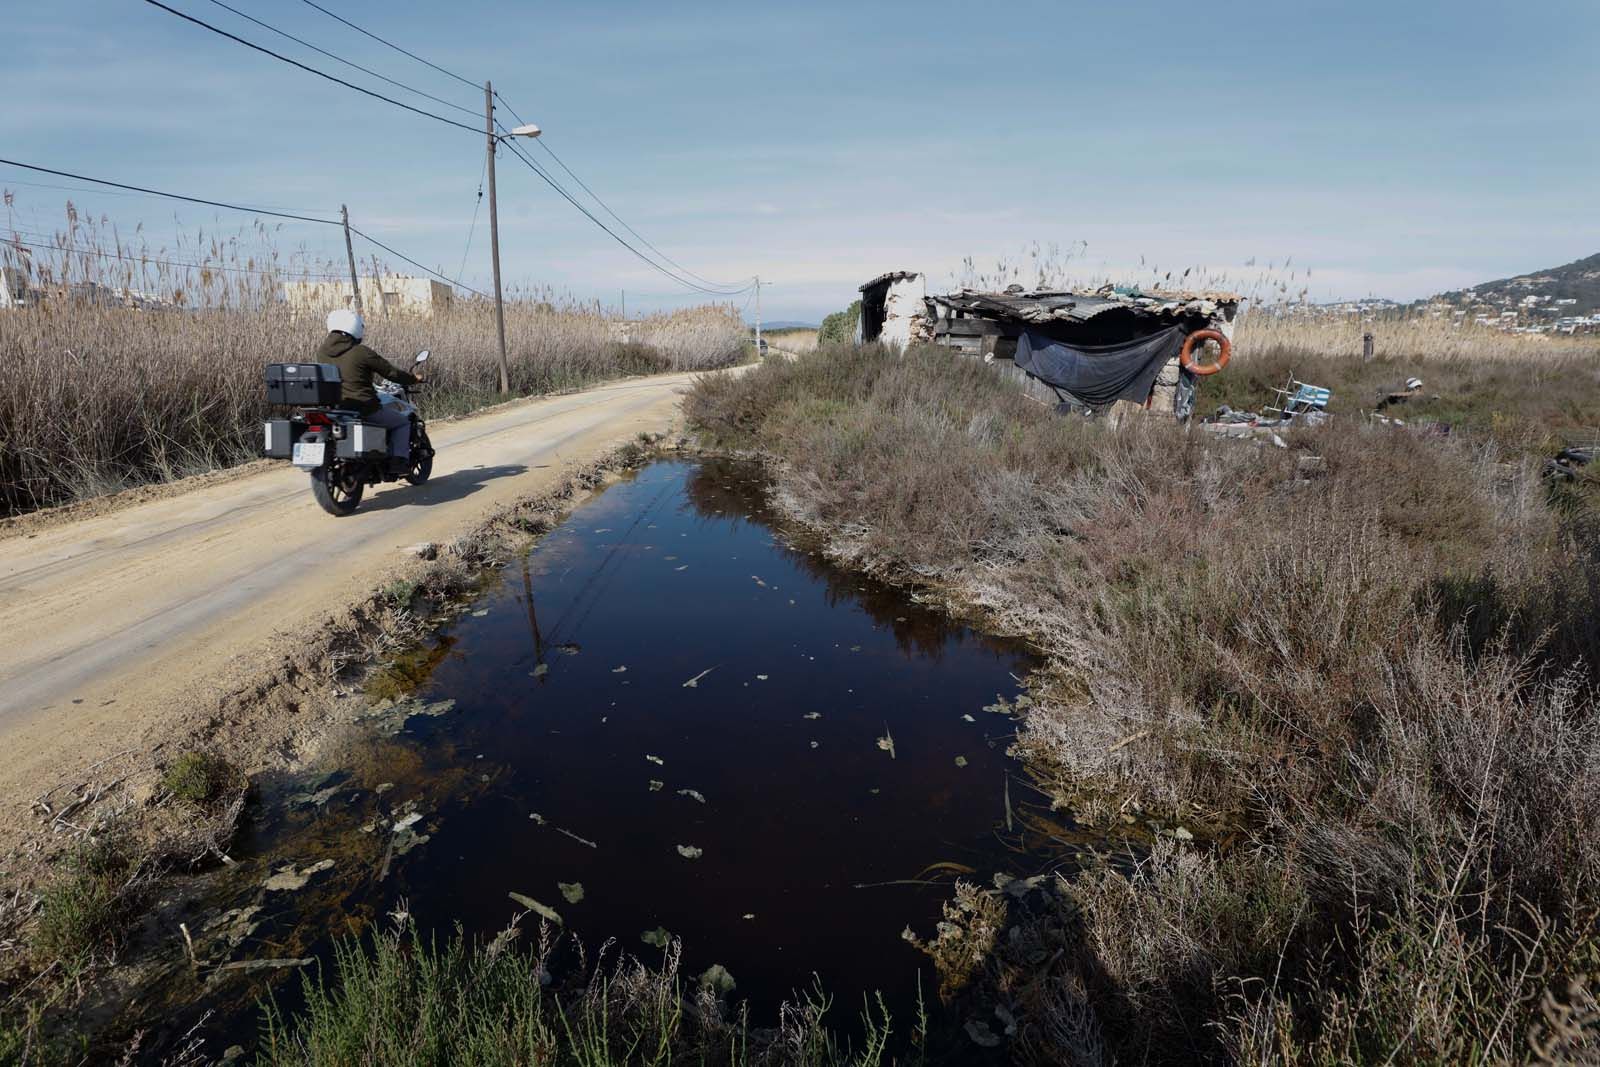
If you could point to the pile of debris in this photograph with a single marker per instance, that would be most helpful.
(1083, 352)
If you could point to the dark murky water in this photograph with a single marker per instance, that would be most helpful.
(661, 671)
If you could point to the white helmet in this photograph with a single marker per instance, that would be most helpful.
(343, 320)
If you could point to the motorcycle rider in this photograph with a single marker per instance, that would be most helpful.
(358, 365)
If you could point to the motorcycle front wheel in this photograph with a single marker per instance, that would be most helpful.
(337, 491)
(422, 468)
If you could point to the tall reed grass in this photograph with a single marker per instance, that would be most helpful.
(97, 395)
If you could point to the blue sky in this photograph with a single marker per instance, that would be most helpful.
(1397, 148)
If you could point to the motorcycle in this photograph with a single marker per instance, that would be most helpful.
(342, 453)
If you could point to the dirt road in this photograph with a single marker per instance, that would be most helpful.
(109, 623)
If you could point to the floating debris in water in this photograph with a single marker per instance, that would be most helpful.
(656, 785)
(571, 891)
(542, 910)
(289, 879)
(682, 568)
(812, 715)
(689, 852)
(536, 817)
(657, 937)
(855, 648)
(886, 742)
(383, 787)
(900, 618)
(693, 794)
(540, 671)
(717, 979)
(761, 677)
(619, 670)
(694, 683)
(748, 915)
(480, 614)
(571, 648)
(657, 760)
(407, 821)
(313, 800)
(758, 581)
(961, 761)
(813, 744)
(603, 529)
(968, 718)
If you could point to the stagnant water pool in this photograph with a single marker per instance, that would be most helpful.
(712, 732)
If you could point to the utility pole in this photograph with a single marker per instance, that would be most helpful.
(758, 316)
(494, 239)
(350, 251)
(624, 305)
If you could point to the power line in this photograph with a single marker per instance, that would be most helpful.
(341, 59)
(531, 165)
(147, 261)
(310, 70)
(399, 255)
(620, 220)
(235, 207)
(396, 47)
(473, 228)
(169, 196)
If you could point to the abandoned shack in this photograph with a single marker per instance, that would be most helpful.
(1080, 351)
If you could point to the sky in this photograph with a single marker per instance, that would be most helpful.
(1393, 149)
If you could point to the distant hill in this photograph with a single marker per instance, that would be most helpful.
(1568, 291)
(787, 325)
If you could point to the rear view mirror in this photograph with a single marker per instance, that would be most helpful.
(422, 357)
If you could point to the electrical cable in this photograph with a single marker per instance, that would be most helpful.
(396, 47)
(310, 70)
(473, 229)
(235, 207)
(531, 165)
(148, 261)
(402, 256)
(607, 207)
(346, 62)
(169, 196)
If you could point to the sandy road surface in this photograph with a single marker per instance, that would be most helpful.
(109, 623)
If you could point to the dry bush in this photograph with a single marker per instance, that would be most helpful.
(1372, 692)
(97, 398)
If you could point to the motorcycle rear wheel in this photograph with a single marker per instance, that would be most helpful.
(337, 495)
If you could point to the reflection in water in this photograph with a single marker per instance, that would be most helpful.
(668, 705)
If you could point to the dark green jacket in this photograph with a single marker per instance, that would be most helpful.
(358, 365)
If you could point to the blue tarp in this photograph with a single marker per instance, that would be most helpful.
(1096, 375)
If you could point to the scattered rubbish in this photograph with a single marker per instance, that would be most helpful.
(748, 915)
(761, 677)
(812, 715)
(570, 648)
(981, 1035)
(289, 879)
(717, 979)
(1308, 467)
(758, 581)
(961, 761)
(571, 891)
(693, 794)
(544, 911)
(383, 787)
(619, 670)
(855, 648)
(536, 817)
(407, 821)
(480, 613)
(968, 718)
(813, 744)
(423, 550)
(540, 671)
(313, 800)
(689, 852)
(694, 683)
(886, 742)
(1569, 461)
(657, 760)
(656, 785)
(682, 568)
(264, 965)
(657, 937)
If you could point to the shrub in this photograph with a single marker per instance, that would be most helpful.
(200, 779)
(81, 911)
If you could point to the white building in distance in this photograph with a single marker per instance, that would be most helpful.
(382, 295)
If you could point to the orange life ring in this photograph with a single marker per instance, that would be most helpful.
(1186, 357)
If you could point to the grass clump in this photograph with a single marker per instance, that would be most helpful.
(411, 1001)
(1370, 695)
(200, 779)
(81, 912)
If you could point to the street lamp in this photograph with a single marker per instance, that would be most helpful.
(530, 130)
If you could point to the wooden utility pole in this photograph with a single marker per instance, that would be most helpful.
(350, 251)
(494, 239)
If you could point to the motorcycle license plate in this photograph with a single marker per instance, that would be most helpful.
(309, 455)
